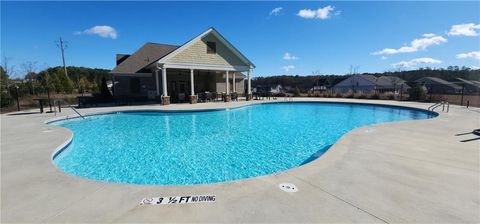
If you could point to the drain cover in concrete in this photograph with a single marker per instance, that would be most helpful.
(288, 187)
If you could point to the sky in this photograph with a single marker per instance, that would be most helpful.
(294, 38)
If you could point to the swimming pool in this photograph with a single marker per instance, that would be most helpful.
(183, 148)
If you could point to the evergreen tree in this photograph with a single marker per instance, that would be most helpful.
(46, 82)
(55, 82)
(83, 85)
(417, 93)
(5, 99)
(65, 82)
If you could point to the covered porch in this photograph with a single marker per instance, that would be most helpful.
(200, 83)
(182, 85)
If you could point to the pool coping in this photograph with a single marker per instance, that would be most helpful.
(350, 205)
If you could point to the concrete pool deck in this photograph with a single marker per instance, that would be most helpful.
(408, 171)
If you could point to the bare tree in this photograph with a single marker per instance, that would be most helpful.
(30, 69)
(395, 81)
(316, 83)
(353, 72)
(9, 69)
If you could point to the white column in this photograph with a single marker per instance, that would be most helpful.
(192, 92)
(234, 83)
(227, 83)
(157, 79)
(249, 84)
(113, 85)
(164, 81)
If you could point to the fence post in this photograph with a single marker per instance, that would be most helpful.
(401, 92)
(16, 96)
(463, 91)
(431, 91)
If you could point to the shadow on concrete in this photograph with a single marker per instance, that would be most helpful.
(316, 155)
(469, 140)
(22, 113)
(466, 133)
(475, 132)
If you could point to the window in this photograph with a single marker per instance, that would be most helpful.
(211, 47)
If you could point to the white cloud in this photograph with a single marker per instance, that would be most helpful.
(417, 44)
(467, 29)
(383, 58)
(288, 67)
(415, 62)
(276, 11)
(320, 13)
(473, 54)
(428, 35)
(288, 56)
(102, 31)
(473, 67)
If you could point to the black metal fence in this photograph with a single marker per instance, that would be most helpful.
(460, 93)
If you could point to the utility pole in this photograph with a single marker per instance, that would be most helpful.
(62, 45)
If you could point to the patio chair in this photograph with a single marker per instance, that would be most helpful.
(234, 96)
(208, 96)
(214, 96)
(202, 97)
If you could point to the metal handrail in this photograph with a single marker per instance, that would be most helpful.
(441, 103)
(70, 106)
(435, 106)
(448, 106)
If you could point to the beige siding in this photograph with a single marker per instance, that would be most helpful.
(197, 54)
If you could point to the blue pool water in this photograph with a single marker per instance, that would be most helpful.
(185, 148)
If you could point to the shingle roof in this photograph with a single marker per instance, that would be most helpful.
(390, 81)
(370, 78)
(471, 82)
(147, 54)
(440, 81)
(386, 82)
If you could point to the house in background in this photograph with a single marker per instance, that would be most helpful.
(321, 85)
(435, 85)
(371, 84)
(469, 87)
(276, 89)
(206, 63)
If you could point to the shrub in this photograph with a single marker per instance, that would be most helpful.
(375, 96)
(296, 92)
(417, 93)
(361, 96)
(388, 96)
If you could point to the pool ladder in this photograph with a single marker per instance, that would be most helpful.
(68, 105)
(441, 103)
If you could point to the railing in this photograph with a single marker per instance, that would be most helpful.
(441, 103)
(58, 102)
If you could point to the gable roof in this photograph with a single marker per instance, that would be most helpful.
(146, 55)
(370, 78)
(439, 81)
(382, 82)
(470, 82)
(390, 81)
(213, 31)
